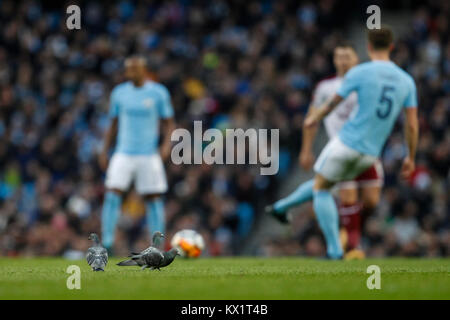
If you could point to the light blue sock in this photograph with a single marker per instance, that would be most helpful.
(155, 216)
(327, 215)
(302, 194)
(110, 216)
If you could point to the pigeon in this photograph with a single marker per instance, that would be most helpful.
(150, 257)
(169, 256)
(96, 256)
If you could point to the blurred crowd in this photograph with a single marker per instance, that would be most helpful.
(413, 218)
(230, 64)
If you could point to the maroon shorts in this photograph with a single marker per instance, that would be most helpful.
(372, 177)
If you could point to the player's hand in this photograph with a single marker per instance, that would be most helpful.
(306, 159)
(408, 168)
(103, 160)
(165, 150)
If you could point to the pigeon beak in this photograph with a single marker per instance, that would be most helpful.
(162, 235)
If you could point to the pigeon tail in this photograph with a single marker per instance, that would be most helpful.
(127, 263)
(136, 257)
(98, 264)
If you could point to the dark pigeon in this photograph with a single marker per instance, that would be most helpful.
(150, 257)
(169, 256)
(96, 256)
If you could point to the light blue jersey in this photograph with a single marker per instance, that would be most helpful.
(138, 110)
(383, 90)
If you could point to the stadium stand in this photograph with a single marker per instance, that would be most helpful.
(230, 64)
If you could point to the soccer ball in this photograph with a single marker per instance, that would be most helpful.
(190, 243)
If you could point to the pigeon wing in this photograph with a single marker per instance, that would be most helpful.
(153, 258)
(150, 256)
(139, 259)
(90, 256)
(104, 255)
(149, 250)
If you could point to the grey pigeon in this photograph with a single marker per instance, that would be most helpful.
(169, 256)
(150, 257)
(96, 256)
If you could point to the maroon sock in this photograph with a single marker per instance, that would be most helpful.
(350, 218)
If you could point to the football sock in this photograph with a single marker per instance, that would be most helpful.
(155, 216)
(303, 193)
(327, 215)
(351, 221)
(110, 216)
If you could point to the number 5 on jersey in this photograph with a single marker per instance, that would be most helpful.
(383, 113)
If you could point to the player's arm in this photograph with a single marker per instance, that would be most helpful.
(167, 123)
(411, 129)
(110, 137)
(167, 126)
(111, 132)
(351, 83)
(306, 156)
(317, 114)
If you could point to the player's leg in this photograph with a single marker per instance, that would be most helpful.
(152, 184)
(154, 209)
(331, 166)
(370, 197)
(118, 179)
(349, 214)
(337, 162)
(370, 183)
(327, 215)
(302, 194)
(110, 215)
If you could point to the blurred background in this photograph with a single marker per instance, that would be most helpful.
(231, 64)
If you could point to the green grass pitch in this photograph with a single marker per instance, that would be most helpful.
(228, 278)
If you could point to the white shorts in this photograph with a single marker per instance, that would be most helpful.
(147, 171)
(337, 162)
